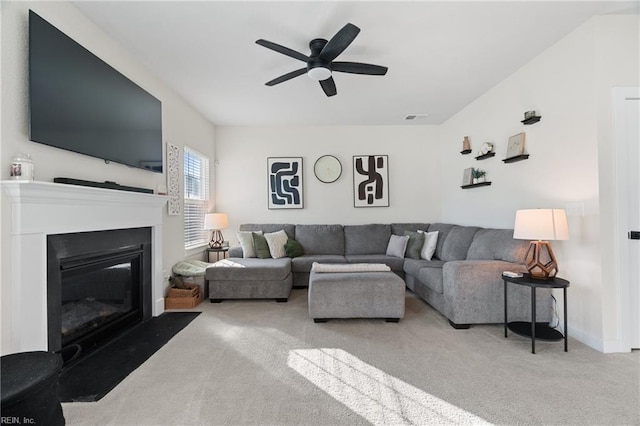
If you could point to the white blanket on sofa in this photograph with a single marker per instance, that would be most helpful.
(349, 267)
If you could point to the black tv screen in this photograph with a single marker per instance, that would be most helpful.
(80, 103)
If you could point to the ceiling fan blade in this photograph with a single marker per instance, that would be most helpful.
(339, 42)
(329, 86)
(358, 68)
(284, 50)
(285, 77)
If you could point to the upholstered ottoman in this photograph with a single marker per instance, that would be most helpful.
(30, 388)
(250, 278)
(355, 291)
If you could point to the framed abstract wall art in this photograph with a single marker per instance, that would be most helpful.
(284, 176)
(370, 181)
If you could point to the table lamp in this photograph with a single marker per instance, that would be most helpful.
(541, 225)
(216, 221)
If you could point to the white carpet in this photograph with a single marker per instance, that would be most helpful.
(262, 362)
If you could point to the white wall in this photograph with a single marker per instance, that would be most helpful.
(181, 123)
(241, 183)
(571, 159)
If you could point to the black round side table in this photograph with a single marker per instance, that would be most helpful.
(29, 388)
(532, 329)
(218, 252)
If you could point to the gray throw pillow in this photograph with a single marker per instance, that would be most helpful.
(414, 246)
(261, 246)
(397, 245)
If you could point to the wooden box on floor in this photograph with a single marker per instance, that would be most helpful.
(183, 298)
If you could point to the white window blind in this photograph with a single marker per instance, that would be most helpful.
(196, 197)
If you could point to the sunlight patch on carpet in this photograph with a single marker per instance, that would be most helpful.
(373, 394)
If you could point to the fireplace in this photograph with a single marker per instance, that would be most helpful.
(98, 286)
(43, 209)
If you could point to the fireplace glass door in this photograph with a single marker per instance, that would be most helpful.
(99, 295)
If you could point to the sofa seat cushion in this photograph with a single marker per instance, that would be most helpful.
(431, 278)
(413, 266)
(366, 239)
(304, 263)
(321, 239)
(395, 263)
(249, 269)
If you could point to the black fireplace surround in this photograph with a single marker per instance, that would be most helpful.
(98, 286)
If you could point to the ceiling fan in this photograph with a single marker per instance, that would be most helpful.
(320, 64)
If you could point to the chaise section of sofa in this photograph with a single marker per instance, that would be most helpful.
(251, 278)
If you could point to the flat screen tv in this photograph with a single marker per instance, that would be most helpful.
(80, 103)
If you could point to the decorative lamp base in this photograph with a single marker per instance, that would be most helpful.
(540, 260)
(216, 239)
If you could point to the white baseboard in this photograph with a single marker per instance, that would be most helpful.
(589, 340)
(604, 346)
(615, 346)
(158, 307)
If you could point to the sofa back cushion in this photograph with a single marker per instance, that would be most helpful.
(497, 244)
(443, 231)
(400, 228)
(321, 239)
(456, 245)
(269, 227)
(366, 239)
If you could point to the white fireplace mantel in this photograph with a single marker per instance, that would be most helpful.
(39, 209)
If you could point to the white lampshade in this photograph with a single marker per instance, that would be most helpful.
(216, 221)
(541, 224)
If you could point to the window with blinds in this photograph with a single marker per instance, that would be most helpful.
(196, 197)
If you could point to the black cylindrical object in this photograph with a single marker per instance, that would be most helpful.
(29, 388)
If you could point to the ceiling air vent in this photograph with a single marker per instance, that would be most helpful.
(415, 117)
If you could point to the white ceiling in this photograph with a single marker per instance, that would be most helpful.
(441, 55)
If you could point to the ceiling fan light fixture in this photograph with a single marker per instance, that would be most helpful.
(319, 73)
(320, 63)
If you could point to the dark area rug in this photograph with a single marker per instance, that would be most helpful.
(94, 376)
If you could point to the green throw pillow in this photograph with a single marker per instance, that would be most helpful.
(293, 248)
(414, 246)
(261, 246)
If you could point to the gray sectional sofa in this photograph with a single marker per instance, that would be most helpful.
(462, 281)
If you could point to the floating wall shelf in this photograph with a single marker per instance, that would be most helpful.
(531, 120)
(485, 156)
(516, 158)
(474, 185)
